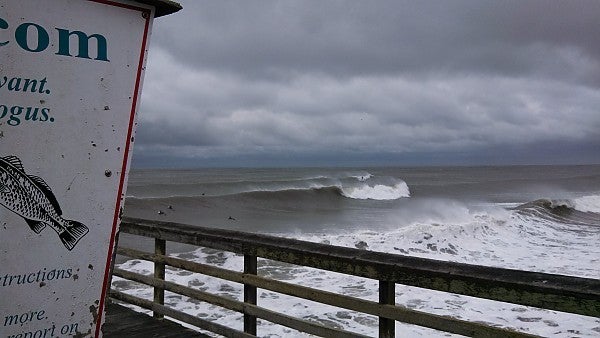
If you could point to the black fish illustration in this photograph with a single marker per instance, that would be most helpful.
(31, 198)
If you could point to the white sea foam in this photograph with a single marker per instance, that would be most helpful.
(377, 192)
(429, 224)
(589, 203)
(362, 177)
(491, 236)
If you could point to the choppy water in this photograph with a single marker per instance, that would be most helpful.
(543, 219)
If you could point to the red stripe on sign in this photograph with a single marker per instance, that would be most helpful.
(128, 142)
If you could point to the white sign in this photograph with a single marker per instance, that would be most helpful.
(70, 83)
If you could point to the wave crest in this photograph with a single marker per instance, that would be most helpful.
(360, 185)
(560, 211)
(588, 203)
(378, 192)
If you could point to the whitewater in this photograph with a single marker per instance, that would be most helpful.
(508, 217)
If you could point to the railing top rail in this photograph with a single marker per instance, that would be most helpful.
(254, 244)
(550, 291)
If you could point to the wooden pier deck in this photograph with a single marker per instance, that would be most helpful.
(122, 322)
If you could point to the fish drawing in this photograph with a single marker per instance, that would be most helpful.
(31, 198)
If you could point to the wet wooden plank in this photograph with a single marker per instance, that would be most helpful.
(399, 313)
(549, 291)
(122, 322)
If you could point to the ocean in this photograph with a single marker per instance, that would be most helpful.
(535, 218)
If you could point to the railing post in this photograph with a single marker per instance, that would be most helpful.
(387, 296)
(112, 266)
(250, 267)
(160, 248)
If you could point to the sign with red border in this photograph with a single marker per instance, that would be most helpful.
(71, 74)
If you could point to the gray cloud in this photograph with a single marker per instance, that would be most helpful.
(361, 37)
(313, 79)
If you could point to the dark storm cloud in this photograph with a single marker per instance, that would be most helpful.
(366, 37)
(302, 80)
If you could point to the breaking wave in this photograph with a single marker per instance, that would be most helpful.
(587, 203)
(580, 211)
(356, 185)
(552, 236)
(378, 191)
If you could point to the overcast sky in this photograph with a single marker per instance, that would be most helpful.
(279, 83)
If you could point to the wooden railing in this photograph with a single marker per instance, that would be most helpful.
(548, 291)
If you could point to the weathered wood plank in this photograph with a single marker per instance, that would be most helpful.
(555, 292)
(399, 313)
(160, 248)
(250, 267)
(253, 310)
(184, 317)
(387, 296)
(122, 322)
